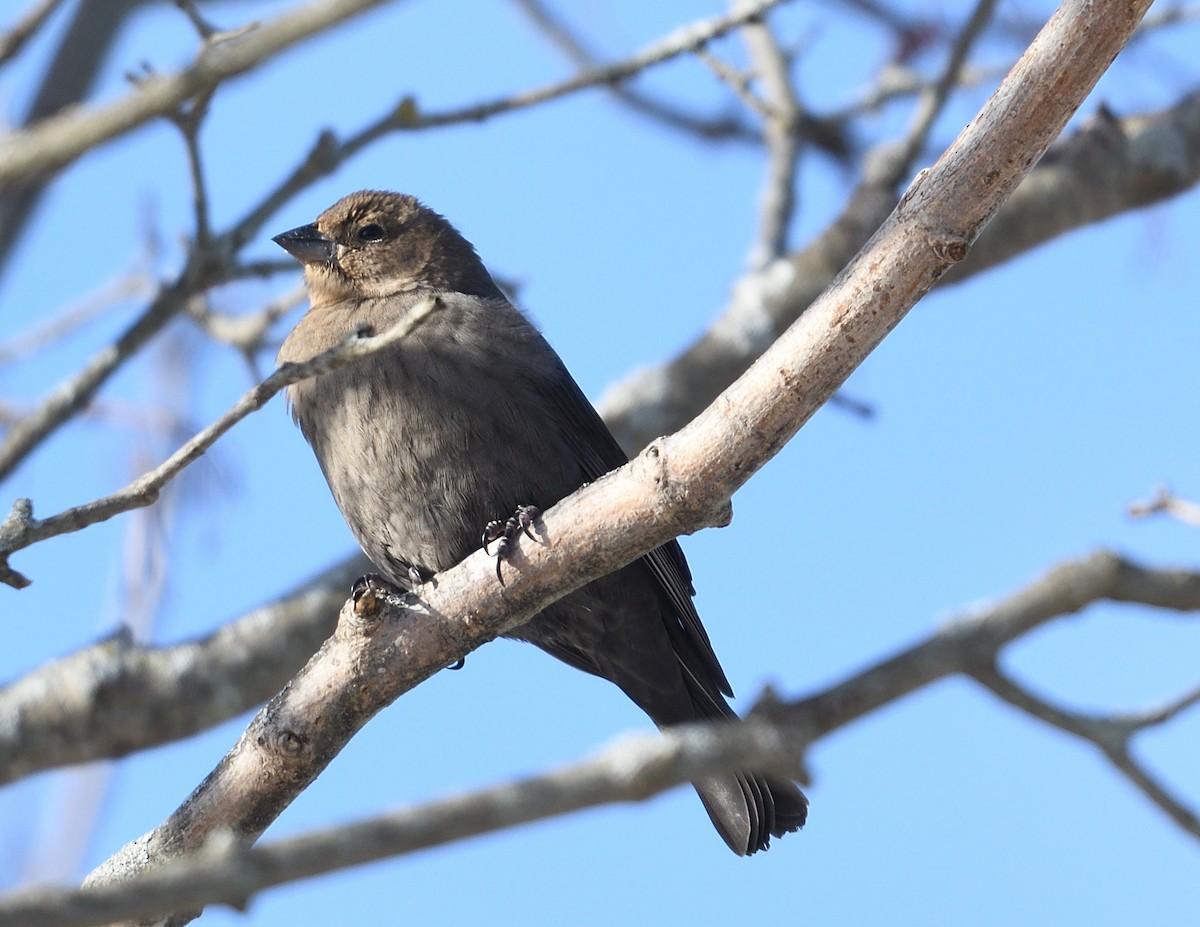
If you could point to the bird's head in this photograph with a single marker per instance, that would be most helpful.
(374, 244)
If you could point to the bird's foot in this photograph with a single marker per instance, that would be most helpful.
(504, 533)
(370, 591)
(376, 585)
(416, 580)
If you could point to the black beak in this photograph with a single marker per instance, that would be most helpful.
(306, 244)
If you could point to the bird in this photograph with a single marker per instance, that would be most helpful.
(433, 442)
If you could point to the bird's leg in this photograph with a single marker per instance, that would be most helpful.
(505, 532)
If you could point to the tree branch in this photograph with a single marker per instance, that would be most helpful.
(20, 529)
(116, 696)
(715, 128)
(227, 871)
(55, 142)
(1110, 735)
(1083, 179)
(1165, 501)
(971, 644)
(781, 135)
(678, 485)
(14, 39)
(633, 768)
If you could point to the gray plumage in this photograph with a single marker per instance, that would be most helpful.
(463, 421)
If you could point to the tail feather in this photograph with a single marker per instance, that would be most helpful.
(747, 810)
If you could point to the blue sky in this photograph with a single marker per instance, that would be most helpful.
(1018, 414)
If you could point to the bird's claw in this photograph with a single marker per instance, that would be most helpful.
(503, 533)
(376, 584)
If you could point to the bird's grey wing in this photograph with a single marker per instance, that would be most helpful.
(584, 432)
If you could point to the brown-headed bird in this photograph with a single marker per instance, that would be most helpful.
(463, 422)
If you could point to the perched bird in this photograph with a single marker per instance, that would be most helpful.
(465, 421)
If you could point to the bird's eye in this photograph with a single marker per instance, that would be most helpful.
(371, 232)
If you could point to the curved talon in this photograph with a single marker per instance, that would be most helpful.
(458, 664)
(492, 531)
(526, 516)
(504, 532)
(372, 582)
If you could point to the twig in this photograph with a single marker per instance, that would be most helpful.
(1110, 735)
(678, 485)
(933, 99)
(896, 82)
(203, 27)
(737, 81)
(715, 128)
(20, 528)
(1092, 179)
(1165, 501)
(246, 332)
(116, 696)
(126, 286)
(328, 152)
(188, 119)
(12, 41)
(73, 393)
(634, 768)
(58, 140)
(781, 133)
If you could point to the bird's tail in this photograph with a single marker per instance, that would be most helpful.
(748, 809)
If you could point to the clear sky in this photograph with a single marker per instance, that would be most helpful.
(1018, 415)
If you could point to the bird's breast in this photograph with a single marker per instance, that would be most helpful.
(425, 443)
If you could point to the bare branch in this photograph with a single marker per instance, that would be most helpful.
(1085, 178)
(970, 644)
(188, 119)
(12, 41)
(116, 696)
(203, 27)
(897, 82)
(73, 394)
(933, 100)
(678, 485)
(20, 528)
(135, 283)
(781, 134)
(633, 768)
(1111, 735)
(246, 332)
(58, 140)
(1165, 501)
(716, 128)
(737, 81)
(328, 153)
